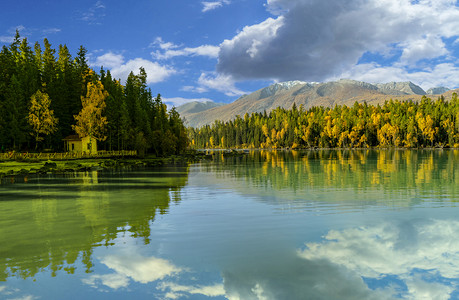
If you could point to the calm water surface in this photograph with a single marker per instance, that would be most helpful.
(268, 225)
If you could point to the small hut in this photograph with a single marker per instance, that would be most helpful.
(75, 144)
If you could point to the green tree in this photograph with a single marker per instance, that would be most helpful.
(90, 121)
(41, 118)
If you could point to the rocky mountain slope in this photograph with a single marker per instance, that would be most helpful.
(196, 107)
(308, 94)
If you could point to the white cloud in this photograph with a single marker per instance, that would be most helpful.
(51, 31)
(194, 89)
(26, 297)
(219, 82)
(145, 270)
(141, 269)
(211, 5)
(110, 60)
(411, 251)
(177, 101)
(445, 74)
(121, 69)
(171, 50)
(175, 291)
(94, 14)
(426, 48)
(163, 45)
(27, 32)
(314, 40)
(156, 72)
(6, 39)
(11, 32)
(114, 281)
(419, 289)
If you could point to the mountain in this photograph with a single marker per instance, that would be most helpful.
(437, 90)
(308, 94)
(196, 107)
(400, 88)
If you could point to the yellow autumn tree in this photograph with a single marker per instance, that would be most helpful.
(41, 118)
(90, 122)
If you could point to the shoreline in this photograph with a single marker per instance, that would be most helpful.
(26, 167)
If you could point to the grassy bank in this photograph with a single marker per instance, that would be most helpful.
(33, 166)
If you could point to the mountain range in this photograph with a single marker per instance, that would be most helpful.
(308, 94)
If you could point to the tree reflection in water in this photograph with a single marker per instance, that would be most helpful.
(51, 222)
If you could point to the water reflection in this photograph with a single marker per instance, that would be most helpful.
(415, 259)
(61, 220)
(398, 178)
(132, 266)
(268, 225)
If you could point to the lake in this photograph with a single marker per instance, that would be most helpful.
(325, 224)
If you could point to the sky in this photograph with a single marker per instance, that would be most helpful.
(219, 50)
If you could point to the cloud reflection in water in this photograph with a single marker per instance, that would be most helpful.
(416, 259)
(423, 255)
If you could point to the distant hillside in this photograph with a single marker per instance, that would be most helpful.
(327, 94)
(437, 90)
(196, 107)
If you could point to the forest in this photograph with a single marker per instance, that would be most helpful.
(408, 124)
(47, 95)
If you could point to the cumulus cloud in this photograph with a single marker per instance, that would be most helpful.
(219, 82)
(171, 50)
(133, 266)
(144, 270)
(121, 69)
(444, 74)
(141, 269)
(425, 48)
(314, 40)
(110, 60)
(423, 254)
(211, 5)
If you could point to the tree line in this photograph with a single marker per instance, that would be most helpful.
(409, 124)
(47, 95)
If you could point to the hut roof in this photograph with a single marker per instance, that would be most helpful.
(73, 137)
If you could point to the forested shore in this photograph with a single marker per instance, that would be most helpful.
(47, 95)
(408, 124)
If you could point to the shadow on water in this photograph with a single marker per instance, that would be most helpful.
(62, 218)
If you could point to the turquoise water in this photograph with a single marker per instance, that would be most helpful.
(267, 225)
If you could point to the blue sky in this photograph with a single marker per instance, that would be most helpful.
(221, 49)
